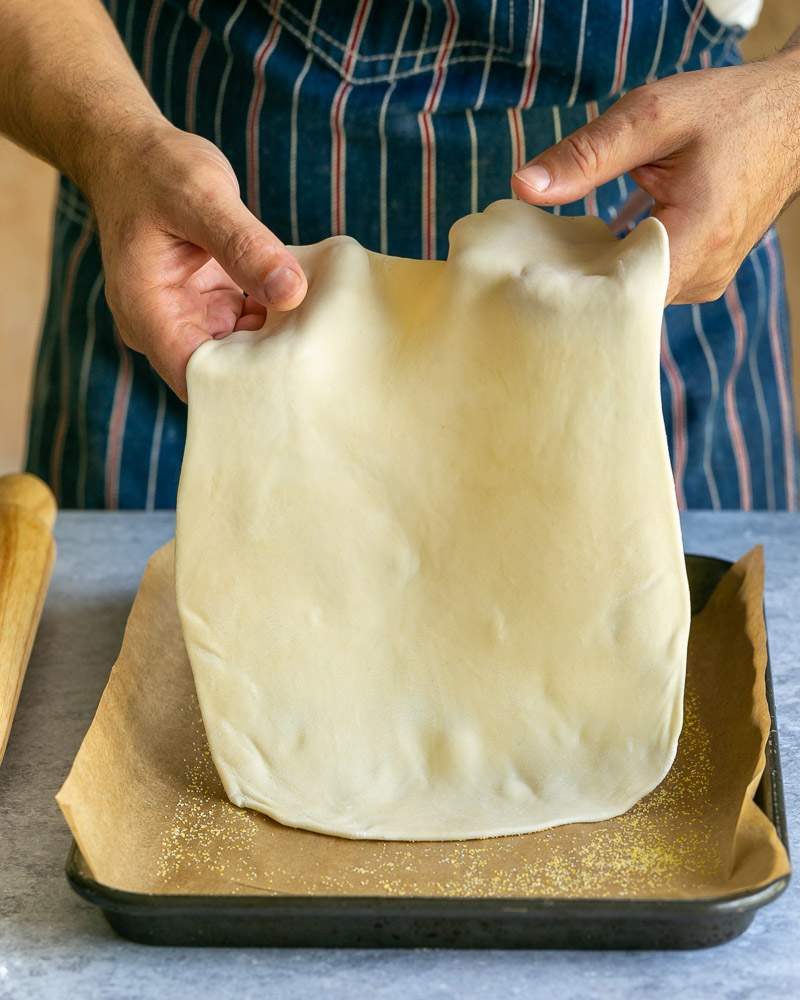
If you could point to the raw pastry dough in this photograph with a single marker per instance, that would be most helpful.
(429, 563)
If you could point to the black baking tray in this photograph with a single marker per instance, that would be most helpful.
(392, 922)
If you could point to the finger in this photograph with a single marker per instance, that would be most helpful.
(252, 255)
(252, 307)
(624, 137)
(253, 316)
(223, 307)
(228, 312)
(686, 254)
(169, 356)
(249, 322)
(168, 330)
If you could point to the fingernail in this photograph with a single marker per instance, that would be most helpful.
(281, 284)
(536, 176)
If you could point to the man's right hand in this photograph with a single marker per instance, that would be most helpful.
(179, 249)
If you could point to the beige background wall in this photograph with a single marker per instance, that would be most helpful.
(27, 189)
(26, 196)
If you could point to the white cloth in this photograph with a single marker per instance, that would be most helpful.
(745, 13)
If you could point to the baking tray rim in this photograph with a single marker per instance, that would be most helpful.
(130, 903)
(146, 904)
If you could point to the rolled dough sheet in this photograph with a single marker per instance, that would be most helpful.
(429, 563)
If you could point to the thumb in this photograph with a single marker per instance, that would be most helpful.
(249, 252)
(621, 139)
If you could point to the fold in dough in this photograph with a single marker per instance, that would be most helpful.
(429, 563)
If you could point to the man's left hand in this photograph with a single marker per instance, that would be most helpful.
(717, 150)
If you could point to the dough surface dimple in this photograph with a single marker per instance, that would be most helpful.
(429, 564)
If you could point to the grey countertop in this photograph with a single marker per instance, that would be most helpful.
(52, 944)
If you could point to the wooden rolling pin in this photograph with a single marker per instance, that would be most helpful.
(27, 553)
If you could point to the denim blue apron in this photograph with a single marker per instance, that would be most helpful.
(389, 121)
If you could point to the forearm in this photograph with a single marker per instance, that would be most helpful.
(69, 92)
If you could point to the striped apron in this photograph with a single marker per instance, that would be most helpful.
(389, 121)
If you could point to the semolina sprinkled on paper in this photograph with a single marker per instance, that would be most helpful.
(637, 854)
(207, 833)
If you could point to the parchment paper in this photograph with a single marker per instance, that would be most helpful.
(149, 814)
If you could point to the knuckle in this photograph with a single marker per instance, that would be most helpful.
(239, 247)
(204, 185)
(194, 167)
(645, 102)
(209, 184)
(586, 150)
(245, 250)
